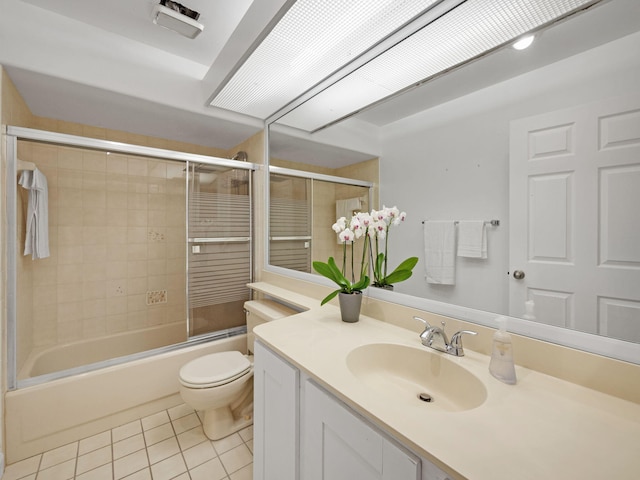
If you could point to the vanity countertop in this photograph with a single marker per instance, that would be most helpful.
(541, 428)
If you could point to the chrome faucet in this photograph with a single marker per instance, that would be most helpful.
(436, 338)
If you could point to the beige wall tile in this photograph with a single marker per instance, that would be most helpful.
(70, 254)
(94, 308)
(117, 200)
(137, 286)
(94, 235)
(94, 254)
(94, 161)
(117, 306)
(94, 290)
(69, 292)
(116, 270)
(69, 217)
(117, 163)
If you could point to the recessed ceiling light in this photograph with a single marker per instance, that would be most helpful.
(524, 42)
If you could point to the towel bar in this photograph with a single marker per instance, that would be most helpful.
(493, 223)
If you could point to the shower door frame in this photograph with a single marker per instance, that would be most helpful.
(13, 135)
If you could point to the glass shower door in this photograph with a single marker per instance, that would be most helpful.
(290, 221)
(219, 247)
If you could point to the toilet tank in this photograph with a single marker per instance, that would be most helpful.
(261, 311)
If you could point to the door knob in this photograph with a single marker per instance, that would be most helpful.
(518, 274)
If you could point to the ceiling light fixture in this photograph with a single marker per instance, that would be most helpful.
(327, 59)
(178, 18)
(524, 42)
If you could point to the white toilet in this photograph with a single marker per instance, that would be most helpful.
(221, 384)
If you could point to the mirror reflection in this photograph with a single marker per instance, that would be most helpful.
(545, 140)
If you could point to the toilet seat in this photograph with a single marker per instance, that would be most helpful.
(214, 370)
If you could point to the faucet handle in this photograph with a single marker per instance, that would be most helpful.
(455, 346)
(426, 324)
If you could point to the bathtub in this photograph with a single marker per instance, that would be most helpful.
(71, 355)
(48, 415)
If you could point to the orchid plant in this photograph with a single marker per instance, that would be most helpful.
(374, 227)
(330, 270)
(381, 222)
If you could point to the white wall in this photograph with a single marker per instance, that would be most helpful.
(451, 162)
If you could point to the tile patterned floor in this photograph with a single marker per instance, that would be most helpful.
(167, 445)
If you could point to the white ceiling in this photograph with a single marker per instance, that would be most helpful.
(105, 63)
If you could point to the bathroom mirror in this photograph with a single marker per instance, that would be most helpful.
(444, 151)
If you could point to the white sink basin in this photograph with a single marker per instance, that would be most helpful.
(401, 373)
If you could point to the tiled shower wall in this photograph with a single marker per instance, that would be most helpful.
(116, 231)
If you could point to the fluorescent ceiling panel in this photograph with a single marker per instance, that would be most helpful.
(313, 40)
(464, 33)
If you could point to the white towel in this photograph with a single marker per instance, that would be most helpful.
(37, 238)
(440, 248)
(472, 239)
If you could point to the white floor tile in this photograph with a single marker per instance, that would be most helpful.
(227, 443)
(192, 437)
(130, 464)
(59, 455)
(245, 473)
(144, 474)
(246, 433)
(179, 411)
(105, 472)
(22, 468)
(159, 434)
(236, 458)
(169, 445)
(184, 476)
(155, 420)
(126, 431)
(128, 446)
(93, 459)
(168, 468)
(185, 423)
(162, 450)
(95, 442)
(212, 470)
(201, 453)
(61, 471)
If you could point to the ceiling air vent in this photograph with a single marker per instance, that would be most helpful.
(178, 18)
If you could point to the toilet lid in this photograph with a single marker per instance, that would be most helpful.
(214, 369)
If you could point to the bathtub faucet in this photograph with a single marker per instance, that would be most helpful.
(436, 338)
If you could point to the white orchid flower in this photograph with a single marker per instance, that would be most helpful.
(340, 225)
(356, 227)
(400, 218)
(346, 235)
(381, 228)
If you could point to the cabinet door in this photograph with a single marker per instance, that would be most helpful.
(275, 423)
(339, 445)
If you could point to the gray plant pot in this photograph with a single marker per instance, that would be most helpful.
(350, 306)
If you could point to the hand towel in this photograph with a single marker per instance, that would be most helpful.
(472, 239)
(440, 248)
(37, 237)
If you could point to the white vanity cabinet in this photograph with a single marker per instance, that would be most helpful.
(301, 428)
(338, 445)
(275, 417)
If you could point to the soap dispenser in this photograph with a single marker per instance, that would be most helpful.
(501, 365)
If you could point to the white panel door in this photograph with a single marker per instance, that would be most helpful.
(275, 425)
(338, 445)
(575, 217)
